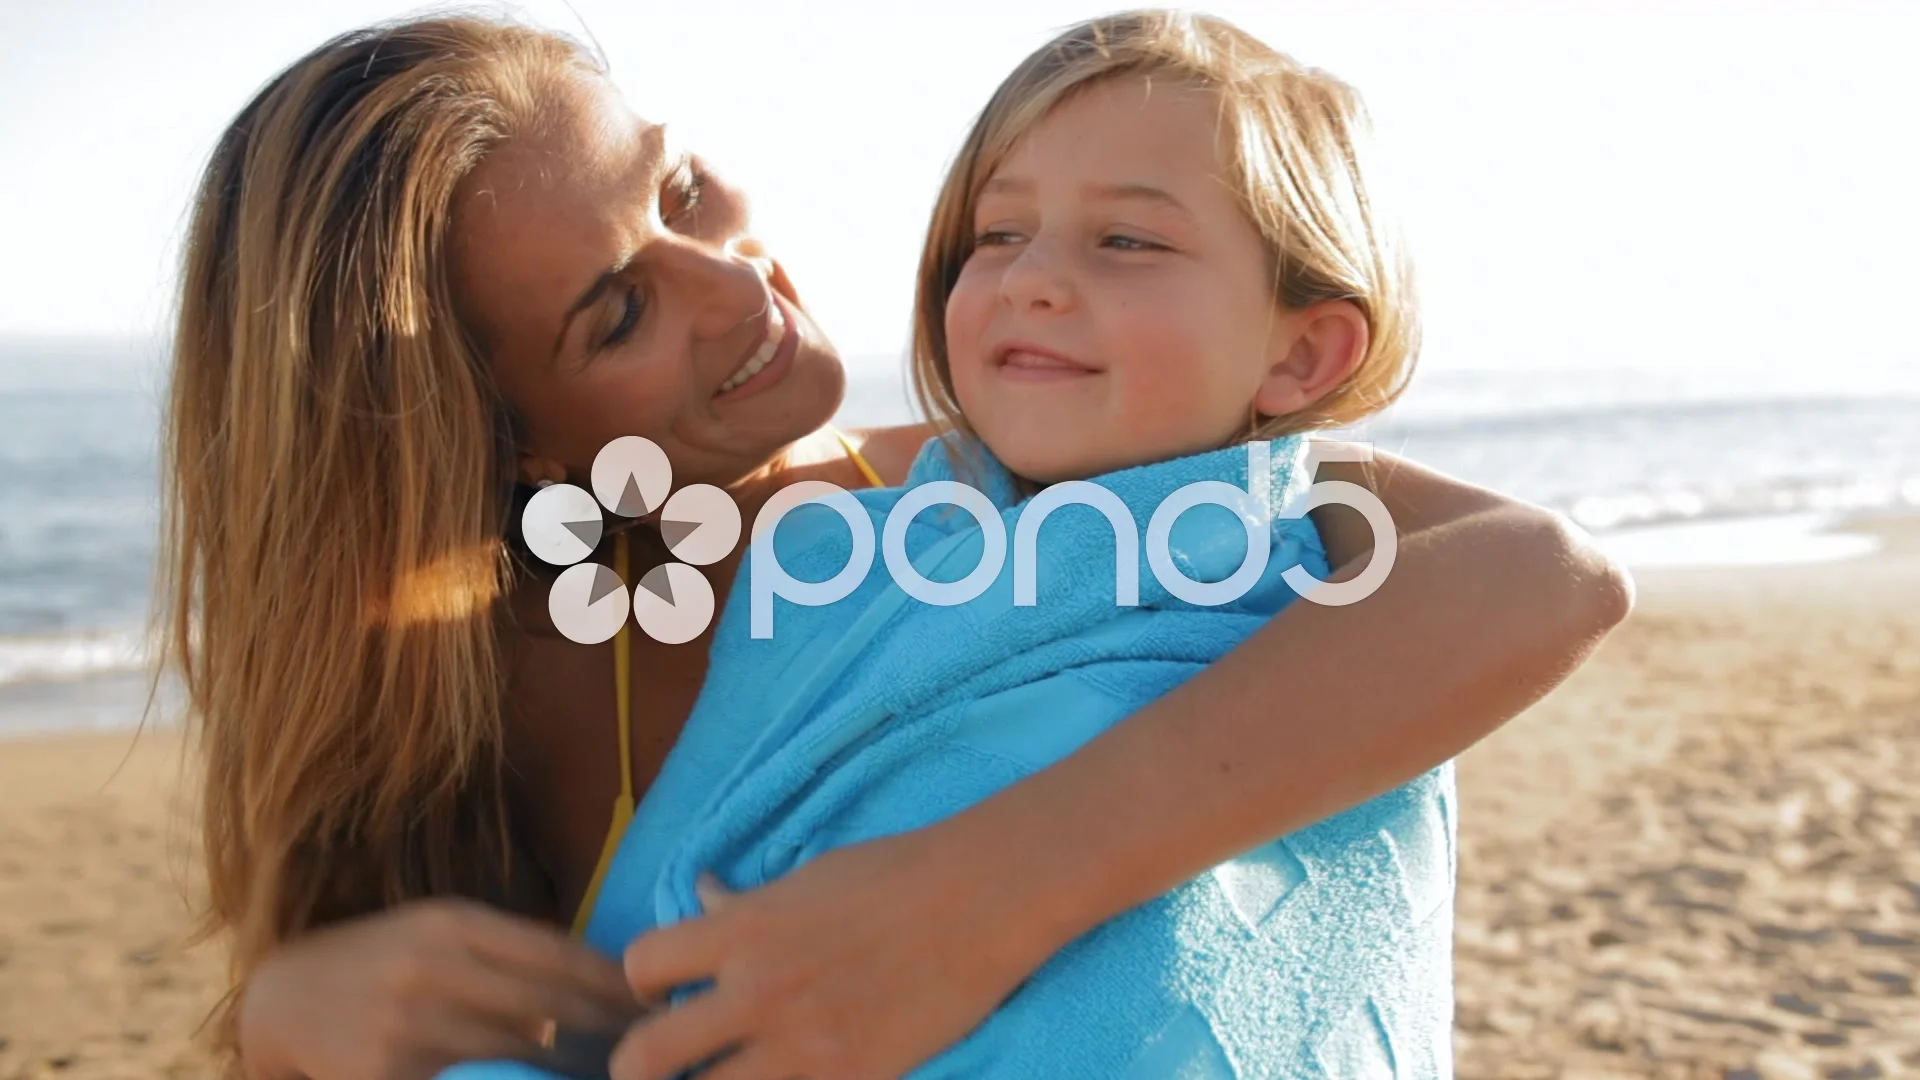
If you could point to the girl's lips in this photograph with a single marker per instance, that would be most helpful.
(782, 357)
(1026, 363)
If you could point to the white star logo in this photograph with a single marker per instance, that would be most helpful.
(589, 602)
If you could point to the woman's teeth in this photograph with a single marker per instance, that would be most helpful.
(776, 332)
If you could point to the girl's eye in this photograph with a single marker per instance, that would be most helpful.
(629, 317)
(1131, 243)
(995, 238)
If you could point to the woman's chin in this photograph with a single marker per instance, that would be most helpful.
(821, 388)
(799, 404)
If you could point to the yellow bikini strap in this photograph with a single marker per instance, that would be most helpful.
(859, 462)
(623, 706)
(623, 678)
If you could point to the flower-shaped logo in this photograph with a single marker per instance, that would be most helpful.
(673, 602)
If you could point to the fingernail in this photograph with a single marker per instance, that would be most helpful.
(710, 889)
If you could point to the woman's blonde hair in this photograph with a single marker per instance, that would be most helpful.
(1296, 140)
(338, 467)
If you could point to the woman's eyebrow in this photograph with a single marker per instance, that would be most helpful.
(587, 299)
(658, 162)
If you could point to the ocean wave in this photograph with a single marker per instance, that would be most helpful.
(71, 657)
(1601, 513)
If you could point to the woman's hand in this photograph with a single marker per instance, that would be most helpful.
(404, 993)
(860, 965)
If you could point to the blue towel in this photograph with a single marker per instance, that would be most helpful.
(1326, 953)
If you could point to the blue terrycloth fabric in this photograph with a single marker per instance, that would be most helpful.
(1323, 954)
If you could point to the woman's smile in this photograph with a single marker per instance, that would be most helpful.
(772, 359)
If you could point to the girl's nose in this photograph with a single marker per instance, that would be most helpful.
(1037, 279)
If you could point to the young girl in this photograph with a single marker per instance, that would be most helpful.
(1154, 265)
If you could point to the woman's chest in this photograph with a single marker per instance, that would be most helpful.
(563, 744)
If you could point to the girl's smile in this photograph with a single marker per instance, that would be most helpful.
(1025, 362)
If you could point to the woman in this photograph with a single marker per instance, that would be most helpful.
(437, 263)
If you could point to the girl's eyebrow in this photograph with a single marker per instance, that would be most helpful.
(1135, 193)
(1126, 192)
(1006, 185)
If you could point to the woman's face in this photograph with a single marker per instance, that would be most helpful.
(613, 282)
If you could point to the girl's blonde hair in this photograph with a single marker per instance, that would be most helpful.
(338, 467)
(1296, 139)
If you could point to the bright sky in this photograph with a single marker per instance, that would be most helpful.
(1680, 186)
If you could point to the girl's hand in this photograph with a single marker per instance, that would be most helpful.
(404, 993)
(859, 965)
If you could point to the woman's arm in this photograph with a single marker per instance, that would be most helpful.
(1418, 498)
(1490, 603)
(873, 958)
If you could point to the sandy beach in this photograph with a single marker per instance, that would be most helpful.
(1701, 856)
(1698, 858)
(95, 864)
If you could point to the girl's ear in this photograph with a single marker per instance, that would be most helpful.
(1314, 351)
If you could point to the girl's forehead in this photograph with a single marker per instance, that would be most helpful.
(1140, 123)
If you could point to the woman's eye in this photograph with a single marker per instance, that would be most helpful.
(629, 317)
(690, 186)
(1122, 242)
(995, 238)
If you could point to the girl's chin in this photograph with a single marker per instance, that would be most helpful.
(1059, 456)
(1037, 465)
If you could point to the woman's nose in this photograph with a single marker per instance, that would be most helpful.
(749, 248)
(753, 252)
(722, 287)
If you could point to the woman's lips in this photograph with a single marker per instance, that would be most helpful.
(782, 357)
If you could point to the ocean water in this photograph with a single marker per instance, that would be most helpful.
(78, 502)
(1630, 448)
(1666, 470)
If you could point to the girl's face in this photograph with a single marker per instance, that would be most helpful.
(1118, 306)
(615, 286)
